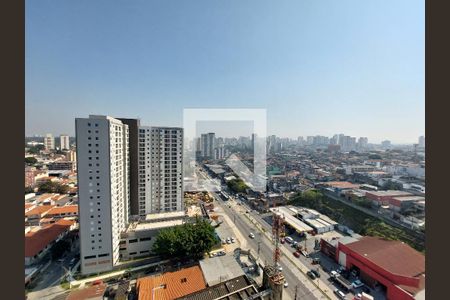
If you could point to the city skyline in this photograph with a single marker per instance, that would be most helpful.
(306, 63)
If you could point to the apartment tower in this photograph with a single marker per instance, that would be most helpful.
(103, 190)
(64, 142)
(160, 169)
(49, 142)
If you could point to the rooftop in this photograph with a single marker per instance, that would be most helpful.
(156, 225)
(219, 269)
(389, 193)
(171, 285)
(341, 184)
(394, 256)
(165, 215)
(35, 241)
(72, 209)
(39, 210)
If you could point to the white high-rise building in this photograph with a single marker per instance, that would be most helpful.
(103, 190)
(49, 142)
(64, 142)
(207, 144)
(160, 169)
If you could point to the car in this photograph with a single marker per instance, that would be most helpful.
(297, 254)
(357, 284)
(294, 244)
(316, 273)
(251, 235)
(339, 294)
(232, 239)
(289, 239)
(286, 284)
(334, 274)
(224, 241)
(354, 273)
(61, 260)
(228, 240)
(279, 267)
(316, 261)
(341, 269)
(358, 297)
(211, 255)
(305, 254)
(282, 241)
(311, 275)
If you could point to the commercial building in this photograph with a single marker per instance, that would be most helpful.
(385, 197)
(391, 265)
(64, 143)
(138, 239)
(422, 141)
(103, 190)
(220, 268)
(160, 169)
(404, 203)
(49, 142)
(61, 165)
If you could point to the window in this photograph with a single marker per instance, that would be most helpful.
(90, 257)
(103, 255)
(132, 241)
(133, 253)
(145, 239)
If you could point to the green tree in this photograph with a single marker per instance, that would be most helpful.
(187, 240)
(237, 185)
(391, 185)
(29, 160)
(36, 149)
(52, 187)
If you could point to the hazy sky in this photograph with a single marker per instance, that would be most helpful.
(318, 67)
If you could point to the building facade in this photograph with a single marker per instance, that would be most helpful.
(49, 142)
(103, 190)
(160, 169)
(64, 142)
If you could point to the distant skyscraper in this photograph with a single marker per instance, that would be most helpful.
(300, 141)
(386, 144)
(103, 190)
(207, 144)
(64, 142)
(362, 143)
(421, 141)
(309, 140)
(160, 169)
(49, 142)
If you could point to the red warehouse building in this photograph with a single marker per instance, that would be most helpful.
(385, 197)
(390, 264)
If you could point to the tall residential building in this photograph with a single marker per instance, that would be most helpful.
(421, 141)
(103, 190)
(133, 146)
(49, 142)
(160, 169)
(207, 144)
(64, 142)
(386, 144)
(362, 143)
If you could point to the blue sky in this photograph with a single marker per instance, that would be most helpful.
(318, 67)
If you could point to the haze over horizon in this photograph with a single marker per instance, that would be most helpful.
(352, 67)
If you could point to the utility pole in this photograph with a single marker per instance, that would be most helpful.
(295, 296)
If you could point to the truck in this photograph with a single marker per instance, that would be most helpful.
(344, 283)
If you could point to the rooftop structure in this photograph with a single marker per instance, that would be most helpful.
(171, 285)
(291, 220)
(219, 269)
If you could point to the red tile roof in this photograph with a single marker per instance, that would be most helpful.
(39, 210)
(35, 241)
(394, 256)
(72, 209)
(176, 284)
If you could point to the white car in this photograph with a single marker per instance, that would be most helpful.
(228, 240)
(357, 284)
(251, 235)
(279, 267)
(286, 284)
(339, 293)
(233, 240)
(334, 274)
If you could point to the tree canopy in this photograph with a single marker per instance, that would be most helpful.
(29, 160)
(52, 187)
(188, 240)
(237, 185)
(36, 149)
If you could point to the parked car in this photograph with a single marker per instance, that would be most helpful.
(282, 240)
(221, 253)
(294, 244)
(334, 274)
(232, 239)
(289, 239)
(311, 275)
(279, 267)
(316, 273)
(358, 297)
(251, 235)
(339, 294)
(316, 261)
(297, 254)
(228, 240)
(357, 284)
(286, 284)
